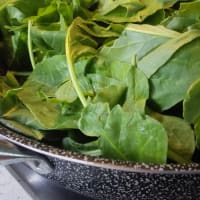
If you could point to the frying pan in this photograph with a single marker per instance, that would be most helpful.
(101, 178)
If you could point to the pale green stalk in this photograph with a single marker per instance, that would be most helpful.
(72, 72)
(29, 43)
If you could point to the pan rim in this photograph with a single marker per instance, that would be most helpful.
(51, 151)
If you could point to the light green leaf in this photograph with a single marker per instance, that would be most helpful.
(119, 11)
(187, 15)
(93, 119)
(66, 92)
(51, 72)
(138, 91)
(137, 41)
(167, 88)
(164, 52)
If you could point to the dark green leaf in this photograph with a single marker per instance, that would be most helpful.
(191, 108)
(123, 135)
(179, 131)
(90, 148)
(20, 128)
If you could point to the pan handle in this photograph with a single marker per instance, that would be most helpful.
(11, 154)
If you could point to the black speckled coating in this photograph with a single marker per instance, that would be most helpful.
(110, 184)
(115, 180)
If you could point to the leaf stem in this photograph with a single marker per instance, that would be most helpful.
(29, 43)
(72, 72)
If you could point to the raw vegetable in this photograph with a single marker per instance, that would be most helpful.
(117, 79)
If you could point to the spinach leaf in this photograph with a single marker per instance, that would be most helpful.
(179, 131)
(137, 41)
(99, 67)
(82, 41)
(23, 129)
(128, 10)
(187, 15)
(89, 148)
(107, 89)
(137, 92)
(191, 109)
(145, 137)
(167, 89)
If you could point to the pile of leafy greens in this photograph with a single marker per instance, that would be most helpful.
(113, 78)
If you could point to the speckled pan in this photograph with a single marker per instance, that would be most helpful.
(115, 180)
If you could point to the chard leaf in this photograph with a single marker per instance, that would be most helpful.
(166, 89)
(82, 41)
(197, 133)
(107, 89)
(23, 116)
(66, 92)
(34, 97)
(20, 128)
(119, 11)
(191, 108)
(179, 131)
(51, 72)
(164, 52)
(84, 38)
(187, 15)
(9, 86)
(48, 40)
(89, 148)
(145, 137)
(138, 91)
(93, 118)
(13, 27)
(137, 41)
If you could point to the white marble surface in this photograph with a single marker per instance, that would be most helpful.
(10, 189)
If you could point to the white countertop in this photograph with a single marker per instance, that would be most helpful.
(10, 189)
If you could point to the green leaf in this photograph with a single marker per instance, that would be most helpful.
(138, 91)
(84, 38)
(165, 51)
(22, 115)
(90, 148)
(20, 128)
(167, 88)
(66, 92)
(9, 86)
(197, 133)
(107, 89)
(123, 135)
(191, 108)
(137, 41)
(33, 96)
(49, 40)
(142, 138)
(93, 119)
(179, 131)
(187, 15)
(13, 27)
(82, 41)
(128, 10)
(51, 72)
